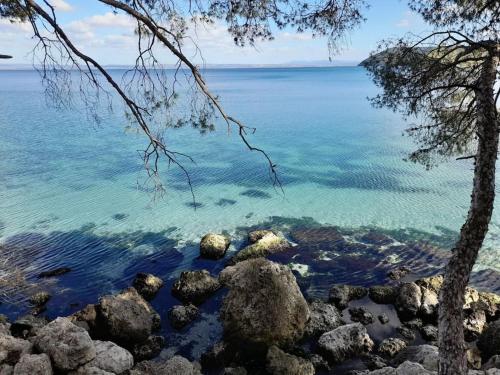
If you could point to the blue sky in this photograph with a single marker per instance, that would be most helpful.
(109, 37)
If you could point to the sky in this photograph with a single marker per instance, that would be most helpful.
(109, 38)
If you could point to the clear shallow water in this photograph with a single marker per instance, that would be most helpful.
(70, 197)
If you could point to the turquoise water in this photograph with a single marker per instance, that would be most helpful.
(71, 190)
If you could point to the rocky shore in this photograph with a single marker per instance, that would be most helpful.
(269, 326)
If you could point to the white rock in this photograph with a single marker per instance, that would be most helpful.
(111, 357)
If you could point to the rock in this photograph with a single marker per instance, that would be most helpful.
(360, 314)
(375, 238)
(373, 362)
(429, 332)
(90, 370)
(68, 345)
(148, 349)
(398, 273)
(246, 311)
(409, 300)
(147, 285)
(281, 363)
(411, 368)
(426, 355)
(414, 324)
(234, 371)
(407, 333)
(474, 358)
(6, 369)
(195, 286)
(12, 349)
(383, 318)
(219, 355)
(344, 342)
(391, 346)
(324, 317)
(214, 246)
(127, 318)
(55, 272)
(490, 303)
(319, 363)
(181, 315)
(474, 324)
(27, 326)
(266, 245)
(39, 299)
(33, 364)
(383, 294)
(433, 283)
(341, 295)
(493, 362)
(176, 365)
(471, 297)
(489, 340)
(85, 318)
(257, 235)
(429, 303)
(111, 357)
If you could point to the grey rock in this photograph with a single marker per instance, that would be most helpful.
(493, 362)
(27, 326)
(195, 286)
(39, 299)
(383, 318)
(391, 346)
(319, 363)
(474, 324)
(429, 303)
(268, 244)
(214, 246)
(344, 342)
(67, 345)
(147, 285)
(234, 371)
(409, 300)
(362, 315)
(111, 357)
(341, 294)
(33, 364)
(407, 333)
(176, 365)
(12, 349)
(181, 315)
(425, 355)
(429, 332)
(383, 294)
(324, 317)
(281, 363)
(148, 349)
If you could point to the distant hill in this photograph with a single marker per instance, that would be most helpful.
(381, 57)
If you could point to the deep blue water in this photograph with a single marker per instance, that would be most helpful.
(71, 190)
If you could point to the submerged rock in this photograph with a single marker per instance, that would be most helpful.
(281, 363)
(181, 315)
(345, 342)
(68, 345)
(257, 235)
(55, 272)
(214, 246)
(269, 244)
(264, 304)
(341, 294)
(33, 364)
(39, 299)
(376, 238)
(147, 285)
(195, 286)
(324, 317)
(148, 349)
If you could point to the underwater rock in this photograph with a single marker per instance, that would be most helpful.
(264, 304)
(345, 342)
(147, 285)
(55, 272)
(181, 315)
(281, 363)
(126, 318)
(341, 295)
(33, 364)
(39, 299)
(362, 315)
(383, 294)
(148, 349)
(195, 286)
(214, 246)
(324, 317)
(257, 235)
(376, 238)
(398, 273)
(391, 346)
(266, 245)
(67, 345)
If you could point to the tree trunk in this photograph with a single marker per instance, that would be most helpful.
(452, 358)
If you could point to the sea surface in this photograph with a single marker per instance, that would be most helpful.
(72, 191)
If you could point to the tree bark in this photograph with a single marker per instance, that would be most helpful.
(452, 355)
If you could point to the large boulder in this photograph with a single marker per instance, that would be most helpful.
(345, 342)
(341, 294)
(264, 304)
(126, 318)
(409, 300)
(214, 246)
(195, 286)
(489, 340)
(111, 358)
(324, 318)
(68, 345)
(176, 365)
(12, 349)
(147, 285)
(33, 364)
(268, 244)
(281, 363)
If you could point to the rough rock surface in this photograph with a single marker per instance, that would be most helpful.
(85, 318)
(147, 285)
(391, 346)
(181, 315)
(281, 363)
(127, 317)
(409, 300)
(474, 324)
(39, 298)
(68, 345)
(341, 295)
(214, 246)
(176, 365)
(489, 340)
(195, 286)
(256, 235)
(426, 355)
(268, 244)
(429, 303)
(383, 294)
(362, 315)
(429, 332)
(324, 317)
(33, 364)
(234, 371)
(246, 311)
(12, 349)
(111, 357)
(344, 342)
(27, 326)
(148, 349)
